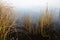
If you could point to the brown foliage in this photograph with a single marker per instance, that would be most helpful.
(6, 20)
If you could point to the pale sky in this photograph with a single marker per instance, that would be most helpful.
(32, 3)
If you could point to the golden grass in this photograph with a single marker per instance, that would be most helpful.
(28, 26)
(6, 20)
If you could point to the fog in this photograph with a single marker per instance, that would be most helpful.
(33, 7)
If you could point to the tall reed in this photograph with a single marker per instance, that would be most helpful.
(6, 20)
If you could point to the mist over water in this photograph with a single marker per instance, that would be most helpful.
(36, 12)
(33, 7)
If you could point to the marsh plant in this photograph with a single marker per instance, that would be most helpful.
(6, 20)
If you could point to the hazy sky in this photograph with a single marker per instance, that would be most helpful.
(32, 3)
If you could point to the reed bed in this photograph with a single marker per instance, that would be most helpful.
(6, 20)
(41, 28)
